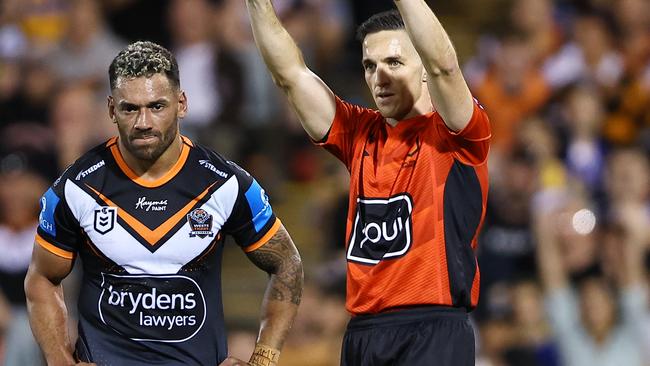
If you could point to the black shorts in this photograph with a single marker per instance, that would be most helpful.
(425, 336)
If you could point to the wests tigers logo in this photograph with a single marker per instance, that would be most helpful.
(200, 223)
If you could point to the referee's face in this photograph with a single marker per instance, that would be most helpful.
(146, 111)
(394, 73)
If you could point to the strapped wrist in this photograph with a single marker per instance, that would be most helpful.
(264, 355)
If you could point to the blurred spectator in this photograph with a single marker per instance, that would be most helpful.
(595, 325)
(627, 177)
(512, 89)
(210, 74)
(79, 122)
(43, 22)
(88, 47)
(589, 58)
(535, 20)
(496, 336)
(334, 20)
(13, 43)
(585, 148)
(630, 117)
(506, 249)
(534, 344)
(522, 337)
(308, 21)
(19, 197)
(566, 84)
(260, 100)
(27, 95)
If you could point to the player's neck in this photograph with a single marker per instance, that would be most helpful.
(153, 170)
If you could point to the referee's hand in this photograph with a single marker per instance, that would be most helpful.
(232, 361)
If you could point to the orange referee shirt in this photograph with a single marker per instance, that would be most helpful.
(418, 193)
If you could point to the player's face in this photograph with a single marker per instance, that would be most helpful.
(146, 110)
(394, 73)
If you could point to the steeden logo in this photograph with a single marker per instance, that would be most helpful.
(90, 170)
(207, 164)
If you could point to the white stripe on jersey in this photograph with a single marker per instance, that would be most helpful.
(125, 250)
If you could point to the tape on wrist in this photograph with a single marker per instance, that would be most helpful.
(265, 356)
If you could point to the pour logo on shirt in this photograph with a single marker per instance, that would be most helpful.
(167, 308)
(382, 229)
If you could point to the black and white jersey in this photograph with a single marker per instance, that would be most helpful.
(151, 252)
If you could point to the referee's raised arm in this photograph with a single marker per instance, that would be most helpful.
(310, 97)
(449, 92)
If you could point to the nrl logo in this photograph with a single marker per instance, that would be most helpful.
(200, 223)
(105, 219)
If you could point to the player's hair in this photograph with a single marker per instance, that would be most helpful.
(386, 20)
(144, 58)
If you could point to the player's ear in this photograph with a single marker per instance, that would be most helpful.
(424, 77)
(110, 102)
(182, 104)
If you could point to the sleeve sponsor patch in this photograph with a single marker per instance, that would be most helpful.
(258, 202)
(49, 201)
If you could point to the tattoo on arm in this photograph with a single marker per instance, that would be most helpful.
(280, 258)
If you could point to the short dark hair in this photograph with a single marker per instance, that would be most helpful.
(386, 20)
(144, 58)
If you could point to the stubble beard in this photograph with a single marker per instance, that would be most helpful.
(152, 153)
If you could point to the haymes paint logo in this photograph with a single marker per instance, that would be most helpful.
(167, 308)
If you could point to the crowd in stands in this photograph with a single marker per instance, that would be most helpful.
(565, 247)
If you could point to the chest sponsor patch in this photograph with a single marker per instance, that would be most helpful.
(164, 308)
(382, 229)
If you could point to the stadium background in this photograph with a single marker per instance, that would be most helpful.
(566, 83)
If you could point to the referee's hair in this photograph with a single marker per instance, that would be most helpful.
(144, 58)
(386, 20)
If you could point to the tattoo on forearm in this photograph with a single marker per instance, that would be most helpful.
(280, 258)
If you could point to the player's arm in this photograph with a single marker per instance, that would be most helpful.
(48, 315)
(449, 91)
(311, 99)
(280, 259)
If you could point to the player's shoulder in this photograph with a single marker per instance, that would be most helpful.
(215, 163)
(90, 163)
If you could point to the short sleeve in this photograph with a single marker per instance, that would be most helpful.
(58, 229)
(348, 123)
(252, 222)
(471, 144)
